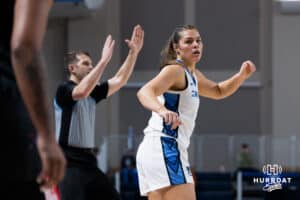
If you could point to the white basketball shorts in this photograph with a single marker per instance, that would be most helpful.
(161, 163)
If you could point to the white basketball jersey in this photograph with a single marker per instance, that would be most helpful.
(185, 103)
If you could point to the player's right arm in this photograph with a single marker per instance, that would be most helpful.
(170, 77)
(30, 21)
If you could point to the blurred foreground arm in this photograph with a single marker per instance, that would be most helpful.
(30, 21)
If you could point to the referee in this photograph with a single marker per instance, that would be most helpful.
(75, 109)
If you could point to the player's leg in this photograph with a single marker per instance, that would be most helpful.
(175, 192)
(180, 192)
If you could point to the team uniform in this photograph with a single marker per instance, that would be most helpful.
(20, 163)
(162, 157)
(75, 124)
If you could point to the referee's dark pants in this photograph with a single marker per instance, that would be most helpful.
(83, 179)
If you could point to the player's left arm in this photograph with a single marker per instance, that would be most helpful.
(213, 90)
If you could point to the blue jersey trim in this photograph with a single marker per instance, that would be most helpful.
(173, 163)
(171, 103)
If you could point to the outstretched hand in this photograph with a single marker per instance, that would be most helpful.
(107, 50)
(247, 69)
(137, 39)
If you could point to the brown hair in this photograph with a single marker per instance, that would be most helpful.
(71, 58)
(168, 53)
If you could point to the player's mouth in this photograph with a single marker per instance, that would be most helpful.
(196, 52)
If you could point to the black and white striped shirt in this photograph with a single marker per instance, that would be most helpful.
(75, 120)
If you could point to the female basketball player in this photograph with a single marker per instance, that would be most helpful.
(173, 98)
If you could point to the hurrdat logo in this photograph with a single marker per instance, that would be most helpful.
(272, 179)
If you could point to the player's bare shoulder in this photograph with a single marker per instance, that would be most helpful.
(176, 74)
(175, 70)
